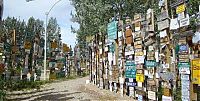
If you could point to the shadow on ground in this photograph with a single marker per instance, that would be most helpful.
(52, 96)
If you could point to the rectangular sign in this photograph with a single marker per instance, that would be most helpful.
(166, 98)
(196, 71)
(131, 84)
(150, 63)
(140, 77)
(112, 30)
(185, 21)
(130, 69)
(163, 24)
(184, 67)
(152, 95)
(139, 59)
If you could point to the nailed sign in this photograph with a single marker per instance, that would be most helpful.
(163, 24)
(112, 30)
(185, 21)
(130, 69)
(180, 8)
(196, 71)
(150, 63)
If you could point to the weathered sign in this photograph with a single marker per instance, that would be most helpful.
(163, 24)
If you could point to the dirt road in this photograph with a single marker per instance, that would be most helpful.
(71, 90)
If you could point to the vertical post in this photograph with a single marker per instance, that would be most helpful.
(45, 48)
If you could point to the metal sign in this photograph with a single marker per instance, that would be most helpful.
(140, 77)
(131, 84)
(180, 8)
(140, 98)
(183, 48)
(150, 63)
(184, 67)
(130, 69)
(196, 71)
(112, 30)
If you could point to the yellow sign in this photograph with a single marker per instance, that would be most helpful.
(180, 8)
(140, 77)
(65, 48)
(27, 45)
(139, 54)
(196, 71)
(54, 44)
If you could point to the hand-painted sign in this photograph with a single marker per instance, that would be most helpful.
(196, 71)
(152, 95)
(112, 30)
(130, 69)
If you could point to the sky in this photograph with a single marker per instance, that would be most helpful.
(37, 8)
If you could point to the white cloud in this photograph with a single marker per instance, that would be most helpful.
(37, 8)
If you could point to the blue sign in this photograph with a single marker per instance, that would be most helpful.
(183, 48)
(150, 63)
(130, 69)
(140, 98)
(112, 30)
(131, 84)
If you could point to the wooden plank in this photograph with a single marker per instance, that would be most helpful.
(164, 15)
(163, 24)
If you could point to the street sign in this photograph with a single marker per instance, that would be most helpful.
(112, 30)
(130, 69)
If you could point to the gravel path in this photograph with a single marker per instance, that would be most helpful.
(71, 90)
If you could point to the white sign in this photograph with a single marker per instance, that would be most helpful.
(174, 24)
(163, 34)
(184, 70)
(185, 77)
(185, 21)
(151, 95)
(139, 59)
(166, 98)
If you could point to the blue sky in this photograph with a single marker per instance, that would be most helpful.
(37, 8)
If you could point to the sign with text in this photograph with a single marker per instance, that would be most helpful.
(130, 69)
(196, 71)
(150, 63)
(180, 8)
(112, 30)
(184, 67)
(140, 77)
(152, 95)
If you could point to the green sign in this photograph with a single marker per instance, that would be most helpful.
(150, 63)
(112, 30)
(183, 65)
(112, 48)
(130, 69)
